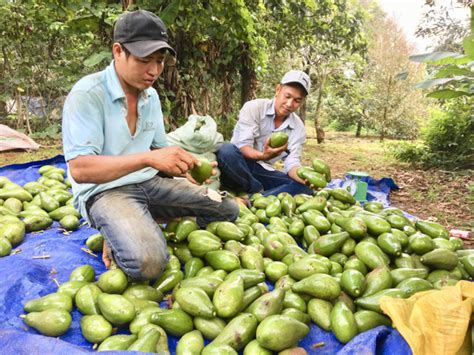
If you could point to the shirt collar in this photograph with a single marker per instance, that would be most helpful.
(115, 88)
(270, 111)
(290, 120)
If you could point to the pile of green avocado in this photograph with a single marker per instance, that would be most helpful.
(35, 206)
(328, 259)
(317, 176)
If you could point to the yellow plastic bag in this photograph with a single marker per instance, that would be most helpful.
(436, 321)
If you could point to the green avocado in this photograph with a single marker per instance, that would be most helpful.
(203, 171)
(5, 247)
(229, 296)
(95, 328)
(51, 301)
(343, 323)
(113, 281)
(116, 309)
(190, 343)
(83, 273)
(117, 342)
(238, 332)
(71, 288)
(95, 242)
(209, 327)
(69, 222)
(52, 322)
(279, 332)
(278, 139)
(195, 301)
(86, 299)
(254, 348)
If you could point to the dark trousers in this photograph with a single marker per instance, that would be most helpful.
(245, 175)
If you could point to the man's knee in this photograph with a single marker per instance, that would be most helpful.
(230, 209)
(228, 151)
(147, 265)
(141, 252)
(152, 266)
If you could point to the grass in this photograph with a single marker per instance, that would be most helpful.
(345, 153)
(47, 150)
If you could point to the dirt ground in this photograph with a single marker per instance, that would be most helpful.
(437, 195)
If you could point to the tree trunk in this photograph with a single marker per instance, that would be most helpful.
(382, 129)
(248, 86)
(317, 127)
(171, 83)
(3, 104)
(19, 111)
(205, 100)
(4, 66)
(225, 104)
(302, 111)
(126, 4)
(358, 129)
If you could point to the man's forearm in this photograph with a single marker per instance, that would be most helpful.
(251, 153)
(99, 169)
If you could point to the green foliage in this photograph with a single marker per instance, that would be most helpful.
(340, 126)
(45, 44)
(345, 98)
(452, 131)
(223, 47)
(452, 74)
(444, 29)
(376, 92)
(448, 139)
(415, 153)
(53, 131)
(449, 136)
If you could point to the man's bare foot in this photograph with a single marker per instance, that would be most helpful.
(106, 258)
(242, 201)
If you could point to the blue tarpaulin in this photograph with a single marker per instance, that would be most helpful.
(378, 190)
(48, 257)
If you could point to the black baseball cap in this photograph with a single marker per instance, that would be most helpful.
(142, 33)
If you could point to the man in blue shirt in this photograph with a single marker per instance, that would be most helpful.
(246, 163)
(119, 162)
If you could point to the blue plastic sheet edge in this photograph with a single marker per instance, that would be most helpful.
(378, 190)
(25, 277)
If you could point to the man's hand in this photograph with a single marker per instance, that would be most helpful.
(173, 161)
(292, 174)
(269, 152)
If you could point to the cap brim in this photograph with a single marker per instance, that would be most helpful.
(300, 84)
(145, 48)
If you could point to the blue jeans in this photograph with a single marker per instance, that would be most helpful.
(126, 218)
(244, 175)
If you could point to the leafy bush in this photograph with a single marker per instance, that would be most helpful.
(448, 138)
(407, 151)
(52, 131)
(341, 126)
(452, 130)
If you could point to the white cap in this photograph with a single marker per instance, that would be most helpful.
(298, 77)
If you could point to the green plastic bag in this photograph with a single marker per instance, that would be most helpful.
(199, 136)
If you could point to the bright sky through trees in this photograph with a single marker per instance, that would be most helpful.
(408, 13)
